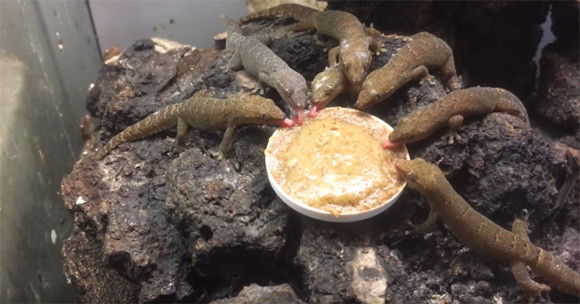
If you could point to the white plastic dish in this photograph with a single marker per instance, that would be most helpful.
(323, 214)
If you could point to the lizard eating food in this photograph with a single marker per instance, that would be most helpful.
(204, 112)
(485, 237)
(259, 61)
(425, 51)
(335, 162)
(357, 43)
(450, 111)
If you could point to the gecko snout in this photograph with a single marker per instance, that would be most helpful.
(401, 170)
(365, 99)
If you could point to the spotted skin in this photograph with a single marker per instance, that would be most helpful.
(258, 60)
(411, 62)
(450, 111)
(203, 112)
(483, 236)
(357, 43)
(326, 86)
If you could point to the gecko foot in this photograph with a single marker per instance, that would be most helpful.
(455, 83)
(452, 136)
(178, 148)
(217, 155)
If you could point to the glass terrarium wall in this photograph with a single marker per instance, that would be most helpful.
(48, 57)
(120, 23)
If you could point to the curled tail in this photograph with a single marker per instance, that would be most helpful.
(557, 274)
(296, 11)
(511, 104)
(154, 123)
(233, 25)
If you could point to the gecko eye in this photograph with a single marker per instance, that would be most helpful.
(263, 117)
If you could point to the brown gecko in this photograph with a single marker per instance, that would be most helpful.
(410, 62)
(326, 85)
(450, 111)
(203, 112)
(261, 62)
(482, 235)
(356, 41)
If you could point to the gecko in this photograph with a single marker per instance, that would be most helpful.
(483, 236)
(356, 42)
(204, 112)
(412, 61)
(261, 62)
(326, 85)
(449, 112)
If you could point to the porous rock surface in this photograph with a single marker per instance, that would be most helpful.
(494, 42)
(155, 226)
(267, 294)
(558, 96)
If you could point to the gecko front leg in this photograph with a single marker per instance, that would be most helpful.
(334, 56)
(454, 122)
(267, 79)
(235, 62)
(518, 268)
(227, 140)
(419, 72)
(182, 127)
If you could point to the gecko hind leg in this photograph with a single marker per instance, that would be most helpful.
(522, 276)
(325, 42)
(182, 127)
(235, 62)
(518, 268)
(454, 122)
(303, 25)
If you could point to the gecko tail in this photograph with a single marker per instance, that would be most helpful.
(231, 23)
(152, 124)
(556, 273)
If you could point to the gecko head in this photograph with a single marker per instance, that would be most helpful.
(326, 85)
(293, 89)
(259, 110)
(366, 98)
(375, 89)
(420, 175)
(322, 93)
(356, 65)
